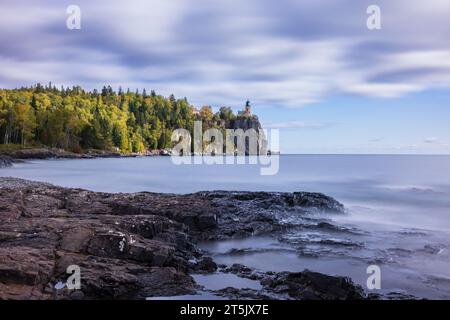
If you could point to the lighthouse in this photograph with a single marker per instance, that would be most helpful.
(248, 108)
(247, 112)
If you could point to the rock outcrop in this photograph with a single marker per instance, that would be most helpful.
(305, 285)
(131, 246)
(246, 122)
(5, 161)
(314, 286)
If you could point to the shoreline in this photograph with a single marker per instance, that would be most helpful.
(145, 242)
(49, 153)
(7, 158)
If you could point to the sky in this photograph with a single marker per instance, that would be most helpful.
(310, 68)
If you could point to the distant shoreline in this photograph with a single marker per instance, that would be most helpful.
(8, 157)
(17, 155)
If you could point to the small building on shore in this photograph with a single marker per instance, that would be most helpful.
(247, 112)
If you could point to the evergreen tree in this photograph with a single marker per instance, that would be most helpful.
(77, 120)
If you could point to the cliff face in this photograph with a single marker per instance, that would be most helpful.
(246, 122)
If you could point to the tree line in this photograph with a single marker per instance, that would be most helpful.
(75, 119)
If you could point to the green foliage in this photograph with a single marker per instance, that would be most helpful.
(75, 119)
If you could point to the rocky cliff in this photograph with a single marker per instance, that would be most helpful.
(133, 246)
(246, 122)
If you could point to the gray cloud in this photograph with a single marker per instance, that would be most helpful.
(297, 125)
(431, 140)
(283, 54)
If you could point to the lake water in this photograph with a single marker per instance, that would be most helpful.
(398, 211)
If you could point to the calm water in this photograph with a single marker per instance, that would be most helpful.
(398, 211)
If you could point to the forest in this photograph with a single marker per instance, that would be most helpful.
(77, 120)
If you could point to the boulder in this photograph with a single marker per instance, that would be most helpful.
(314, 286)
(206, 265)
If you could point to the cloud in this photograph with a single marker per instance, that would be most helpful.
(431, 140)
(222, 52)
(296, 125)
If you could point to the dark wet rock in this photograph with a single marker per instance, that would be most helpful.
(327, 226)
(240, 269)
(432, 249)
(5, 161)
(44, 153)
(55, 153)
(413, 232)
(315, 244)
(241, 214)
(244, 294)
(392, 296)
(247, 251)
(305, 285)
(313, 285)
(316, 201)
(165, 152)
(311, 200)
(205, 265)
(121, 255)
(207, 221)
(128, 246)
(244, 271)
(341, 242)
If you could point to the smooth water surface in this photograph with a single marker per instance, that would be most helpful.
(398, 210)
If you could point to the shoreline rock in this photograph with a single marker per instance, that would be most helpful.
(314, 286)
(50, 153)
(304, 285)
(132, 246)
(5, 161)
(24, 154)
(54, 153)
